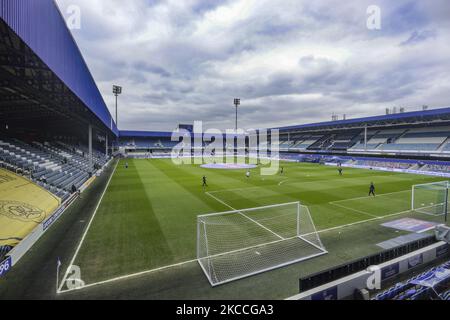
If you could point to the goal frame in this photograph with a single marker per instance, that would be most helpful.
(445, 203)
(320, 247)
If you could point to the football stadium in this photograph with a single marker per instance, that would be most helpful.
(355, 208)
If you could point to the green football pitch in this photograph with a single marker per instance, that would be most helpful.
(145, 226)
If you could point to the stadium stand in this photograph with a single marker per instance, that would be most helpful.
(412, 140)
(141, 143)
(399, 134)
(57, 167)
(286, 145)
(55, 128)
(333, 141)
(431, 284)
(306, 142)
(404, 140)
(436, 168)
(376, 138)
(145, 144)
(344, 141)
(385, 164)
(148, 144)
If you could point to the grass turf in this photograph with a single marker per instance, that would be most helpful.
(147, 218)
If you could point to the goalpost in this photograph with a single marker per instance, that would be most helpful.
(431, 198)
(236, 244)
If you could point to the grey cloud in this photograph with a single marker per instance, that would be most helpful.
(141, 66)
(290, 62)
(419, 36)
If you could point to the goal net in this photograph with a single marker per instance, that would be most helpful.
(430, 198)
(237, 244)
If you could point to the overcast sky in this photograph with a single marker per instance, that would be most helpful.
(291, 62)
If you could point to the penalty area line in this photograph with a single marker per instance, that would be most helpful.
(363, 221)
(129, 276)
(367, 197)
(231, 190)
(354, 210)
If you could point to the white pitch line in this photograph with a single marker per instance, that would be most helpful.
(245, 188)
(231, 190)
(351, 209)
(195, 260)
(427, 229)
(86, 231)
(133, 275)
(366, 197)
(362, 221)
(259, 224)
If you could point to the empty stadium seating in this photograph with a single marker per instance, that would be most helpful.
(436, 168)
(148, 143)
(305, 142)
(379, 138)
(419, 140)
(58, 167)
(286, 145)
(446, 148)
(410, 290)
(404, 140)
(344, 141)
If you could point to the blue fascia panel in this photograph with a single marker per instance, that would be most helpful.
(40, 24)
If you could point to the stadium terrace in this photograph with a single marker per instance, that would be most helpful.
(346, 209)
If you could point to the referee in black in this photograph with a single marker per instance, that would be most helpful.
(372, 189)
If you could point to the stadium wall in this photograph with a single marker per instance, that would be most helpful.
(345, 287)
